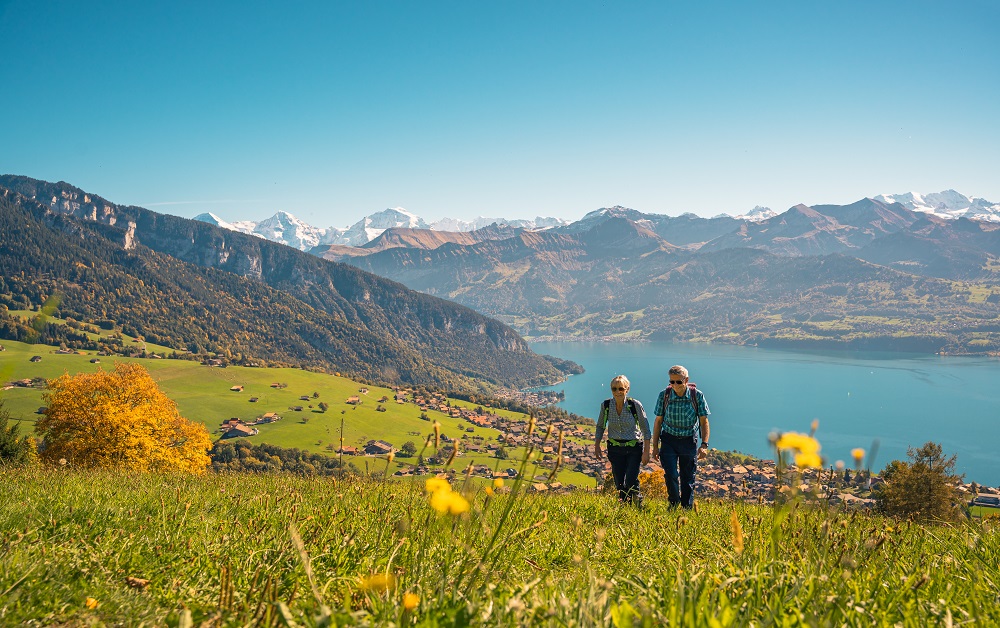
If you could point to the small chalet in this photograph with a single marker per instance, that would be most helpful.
(379, 447)
(363, 391)
(347, 450)
(354, 400)
(240, 431)
(253, 399)
(236, 389)
(95, 360)
(36, 358)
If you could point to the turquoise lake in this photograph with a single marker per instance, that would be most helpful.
(899, 400)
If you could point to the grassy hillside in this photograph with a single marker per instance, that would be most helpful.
(226, 549)
(203, 394)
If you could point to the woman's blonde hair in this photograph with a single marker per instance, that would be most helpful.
(622, 379)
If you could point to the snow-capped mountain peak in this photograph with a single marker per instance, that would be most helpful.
(946, 204)
(212, 219)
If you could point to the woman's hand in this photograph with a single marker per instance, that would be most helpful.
(597, 450)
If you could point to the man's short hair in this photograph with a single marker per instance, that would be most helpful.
(677, 369)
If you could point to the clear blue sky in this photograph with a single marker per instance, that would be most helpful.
(335, 110)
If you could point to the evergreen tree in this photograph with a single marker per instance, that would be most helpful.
(14, 448)
(926, 488)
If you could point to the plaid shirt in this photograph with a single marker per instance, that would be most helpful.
(624, 426)
(680, 419)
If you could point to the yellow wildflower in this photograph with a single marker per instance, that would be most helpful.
(433, 485)
(488, 490)
(378, 582)
(90, 603)
(497, 482)
(448, 502)
(858, 454)
(808, 460)
(411, 601)
(800, 442)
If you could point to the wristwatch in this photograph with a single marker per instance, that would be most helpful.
(704, 444)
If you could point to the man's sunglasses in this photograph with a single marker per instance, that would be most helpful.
(677, 381)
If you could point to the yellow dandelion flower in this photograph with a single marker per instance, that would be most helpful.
(858, 454)
(389, 457)
(497, 482)
(808, 460)
(457, 504)
(90, 603)
(798, 442)
(411, 601)
(434, 485)
(378, 582)
(447, 502)
(488, 490)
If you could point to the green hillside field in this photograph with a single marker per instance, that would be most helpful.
(86, 548)
(204, 394)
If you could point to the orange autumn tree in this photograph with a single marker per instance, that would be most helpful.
(122, 420)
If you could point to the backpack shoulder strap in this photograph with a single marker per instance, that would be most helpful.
(692, 394)
(635, 411)
(605, 405)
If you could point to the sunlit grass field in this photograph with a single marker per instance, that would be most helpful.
(203, 394)
(85, 548)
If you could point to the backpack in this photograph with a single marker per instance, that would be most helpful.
(630, 402)
(692, 389)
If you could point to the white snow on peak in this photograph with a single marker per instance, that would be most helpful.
(946, 204)
(452, 224)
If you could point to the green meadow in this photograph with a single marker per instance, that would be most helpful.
(204, 394)
(81, 548)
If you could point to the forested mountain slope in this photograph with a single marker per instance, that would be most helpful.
(189, 284)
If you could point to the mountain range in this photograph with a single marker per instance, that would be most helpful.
(285, 228)
(876, 273)
(869, 274)
(193, 286)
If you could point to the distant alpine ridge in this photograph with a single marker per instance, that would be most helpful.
(286, 229)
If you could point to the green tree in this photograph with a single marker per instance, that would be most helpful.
(323, 406)
(408, 449)
(926, 488)
(14, 448)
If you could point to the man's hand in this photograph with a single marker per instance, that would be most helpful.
(702, 452)
(645, 457)
(597, 450)
(655, 451)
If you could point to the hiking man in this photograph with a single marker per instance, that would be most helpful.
(681, 412)
(628, 439)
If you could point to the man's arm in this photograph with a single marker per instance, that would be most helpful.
(705, 431)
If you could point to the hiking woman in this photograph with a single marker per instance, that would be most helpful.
(625, 421)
